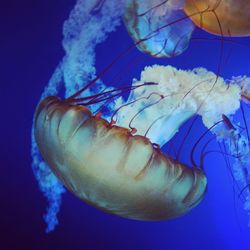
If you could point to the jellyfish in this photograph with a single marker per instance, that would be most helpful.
(105, 143)
(220, 17)
(162, 25)
(113, 164)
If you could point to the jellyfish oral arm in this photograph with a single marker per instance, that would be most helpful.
(185, 93)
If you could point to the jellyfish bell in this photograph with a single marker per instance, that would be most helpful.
(158, 28)
(108, 167)
(220, 17)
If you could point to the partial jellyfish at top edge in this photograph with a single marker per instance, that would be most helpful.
(90, 114)
(220, 17)
(162, 25)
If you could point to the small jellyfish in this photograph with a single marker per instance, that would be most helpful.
(158, 28)
(220, 17)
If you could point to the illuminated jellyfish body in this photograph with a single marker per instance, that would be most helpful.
(220, 17)
(114, 160)
(124, 174)
(109, 167)
(145, 21)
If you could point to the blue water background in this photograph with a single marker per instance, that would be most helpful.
(30, 49)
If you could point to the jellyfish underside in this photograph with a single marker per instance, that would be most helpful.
(220, 17)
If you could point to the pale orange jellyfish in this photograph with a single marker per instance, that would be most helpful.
(220, 17)
(107, 166)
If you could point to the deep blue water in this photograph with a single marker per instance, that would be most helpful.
(30, 50)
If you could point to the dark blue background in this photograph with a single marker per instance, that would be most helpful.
(30, 48)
